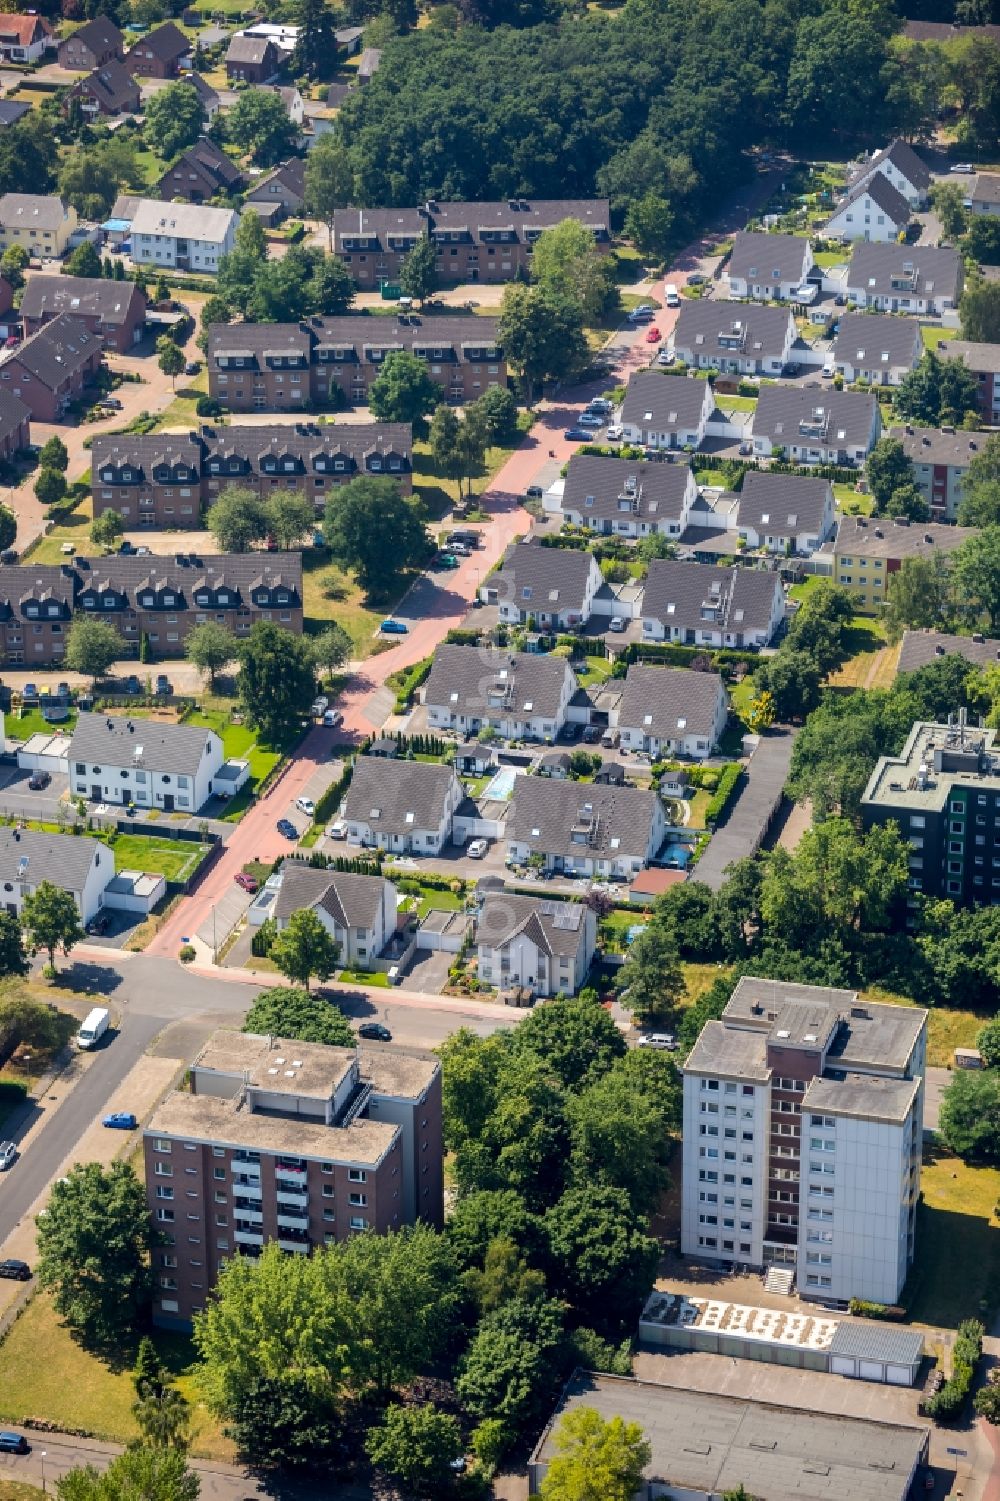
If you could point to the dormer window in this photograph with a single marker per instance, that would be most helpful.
(223, 597)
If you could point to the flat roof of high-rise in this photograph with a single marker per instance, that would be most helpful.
(935, 758)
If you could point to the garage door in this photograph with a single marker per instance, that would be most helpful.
(872, 1370)
(899, 1375)
(843, 1365)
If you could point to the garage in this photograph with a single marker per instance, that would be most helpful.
(876, 1352)
(45, 753)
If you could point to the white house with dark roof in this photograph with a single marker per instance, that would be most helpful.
(623, 498)
(672, 711)
(872, 211)
(584, 829)
(748, 340)
(404, 807)
(553, 586)
(785, 513)
(666, 411)
(698, 604)
(519, 695)
(115, 759)
(879, 350)
(83, 867)
(904, 278)
(768, 268)
(816, 427)
(359, 912)
(901, 167)
(540, 945)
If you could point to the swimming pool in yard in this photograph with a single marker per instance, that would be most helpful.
(501, 784)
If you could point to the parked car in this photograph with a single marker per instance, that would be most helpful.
(337, 830)
(533, 492)
(332, 718)
(697, 280)
(393, 628)
(120, 1120)
(30, 690)
(576, 435)
(828, 368)
(132, 684)
(14, 1443)
(144, 552)
(791, 368)
(476, 849)
(964, 167)
(664, 1040)
(618, 624)
(601, 405)
(17, 1271)
(665, 357)
(590, 419)
(461, 549)
(319, 706)
(446, 560)
(374, 1032)
(192, 367)
(653, 335)
(592, 734)
(306, 805)
(615, 433)
(126, 548)
(163, 684)
(248, 882)
(38, 780)
(112, 403)
(99, 924)
(287, 829)
(641, 314)
(8, 1151)
(671, 297)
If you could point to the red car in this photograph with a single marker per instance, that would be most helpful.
(653, 336)
(249, 883)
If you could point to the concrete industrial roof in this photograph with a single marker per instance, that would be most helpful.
(203, 1118)
(729, 1050)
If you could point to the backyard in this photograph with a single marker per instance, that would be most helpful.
(174, 859)
(239, 742)
(331, 594)
(956, 1274)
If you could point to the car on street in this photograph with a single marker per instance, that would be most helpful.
(533, 492)
(332, 717)
(374, 1032)
(306, 805)
(964, 167)
(120, 1120)
(477, 849)
(601, 405)
(287, 829)
(666, 1041)
(14, 1443)
(8, 1151)
(590, 419)
(337, 829)
(14, 1270)
(38, 780)
(576, 435)
(445, 560)
(111, 402)
(393, 628)
(248, 882)
(132, 684)
(653, 335)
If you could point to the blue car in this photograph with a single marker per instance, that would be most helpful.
(393, 628)
(577, 435)
(120, 1120)
(287, 829)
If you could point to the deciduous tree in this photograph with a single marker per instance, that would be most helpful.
(154, 1474)
(106, 528)
(330, 181)
(600, 1257)
(169, 359)
(403, 1290)
(276, 682)
(980, 504)
(886, 469)
(567, 263)
(238, 519)
(969, 1121)
(979, 311)
(596, 1458)
(91, 647)
(50, 487)
(331, 648)
(542, 336)
(304, 948)
(283, 1011)
(375, 531)
(259, 123)
(404, 392)
(290, 517)
(651, 980)
(50, 919)
(210, 647)
(173, 119)
(575, 1037)
(418, 276)
(513, 1363)
(416, 1445)
(54, 454)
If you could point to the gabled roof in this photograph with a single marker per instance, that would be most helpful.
(986, 189)
(918, 270)
(22, 30)
(904, 159)
(783, 504)
(168, 42)
(186, 221)
(255, 50)
(398, 797)
(614, 821)
(557, 929)
(664, 402)
(291, 175)
(610, 489)
(873, 342)
(204, 90)
(470, 681)
(742, 598)
(36, 210)
(670, 703)
(117, 740)
(920, 647)
(11, 110)
(12, 413)
(353, 901)
(982, 358)
(870, 537)
(725, 330)
(64, 859)
(112, 84)
(885, 197)
(81, 297)
(549, 580)
(840, 418)
(99, 34)
(211, 162)
(760, 257)
(60, 348)
(932, 445)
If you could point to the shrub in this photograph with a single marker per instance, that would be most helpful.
(862, 1309)
(968, 1347)
(723, 792)
(330, 801)
(409, 684)
(207, 406)
(187, 953)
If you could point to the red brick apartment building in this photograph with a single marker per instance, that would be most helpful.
(291, 1142)
(282, 366)
(159, 481)
(113, 310)
(50, 370)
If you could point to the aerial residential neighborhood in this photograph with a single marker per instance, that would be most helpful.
(499, 762)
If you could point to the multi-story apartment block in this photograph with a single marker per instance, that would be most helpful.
(803, 1123)
(475, 241)
(163, 481)
(940, 457)
(182, 236)
(943, 792)
(866, 553)
(52, 368)
(275, 366)
(291, 1142)
(984, 362)
(41, 224)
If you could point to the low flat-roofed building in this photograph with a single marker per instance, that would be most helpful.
(704, 1444)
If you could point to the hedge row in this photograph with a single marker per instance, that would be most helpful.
(409, 684)
(949, 1401)
(862, 1309)
(330, 800)
(672, 655)
(719, 799)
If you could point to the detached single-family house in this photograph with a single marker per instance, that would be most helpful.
(23, 38)
(83, 867)
(584, 829)
(672, 711)
(371, 60)
(878, 350)
(359, 912)
(785, 513)
(39, 222)
(984, 362)
(252, 59)
(901, 167)
(768, 268)
(405, 807)
(553, 586)
(209, 98)
(816, 427)
(109, 91)
(201, 172)
(904, 278)
(161, 53)
(748, 340)
(538, 945)
(666, 411)
(984, 197)
(622, 498)
(92, 45)
(280, 192)
(940, 460)
(185, 236)
(115, 759)
(114, 310)
(50, 370)
(12, 110)
(872, 211)
(520, 695)
(868, 551)
(699, 604)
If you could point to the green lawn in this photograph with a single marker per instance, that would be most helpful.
(74, 528)
(741, 693)
(376, 977)
(805, 588)
(956, 1274)
(593, 670)
(330, 594)
(933, 335)
(699, 807)
(22, 726)
(827, 258)
(46, 1374)
(173, 858)
(736, 403)
(851, 502)
(17, 1490)
(239, 742)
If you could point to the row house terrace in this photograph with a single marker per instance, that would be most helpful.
(158, 481)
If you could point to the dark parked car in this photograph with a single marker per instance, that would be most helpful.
(14, 1443)
(38, 780)
(577, 435)
(164, 685)
(16, 1271)
(287, 829)
(248, 882)
(374, 1032)
(99, 924)
(30, 690)
(126, 548)
(132, 684)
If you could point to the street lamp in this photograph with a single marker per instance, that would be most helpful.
(42, 1457)
(27, 1065)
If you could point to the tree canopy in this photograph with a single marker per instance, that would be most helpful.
(276, 682)
(375, 531)
(286, 1011)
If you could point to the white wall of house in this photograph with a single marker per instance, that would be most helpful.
(510, 723)
(521, 962)
(199, 255)
(679, 437)
(88, 899)
(862, 219)
(614, 865)
(147, 787)
(801, 449)
(914, 196)
(359, 946)
(519, 611)
(657, 741)
(738, 360)
(768, 290)
(418, 841)
(801, 542)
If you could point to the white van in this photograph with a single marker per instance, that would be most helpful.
(671, 297)
(94, 1027)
